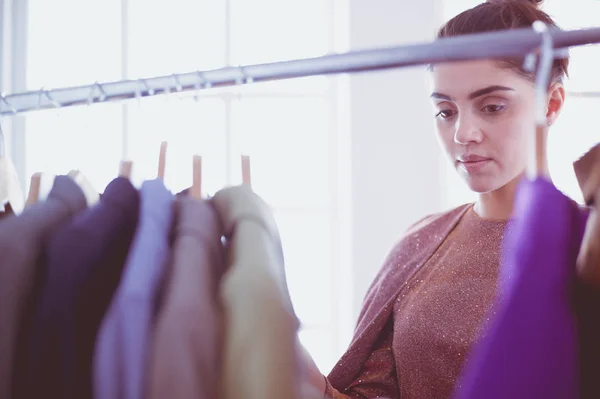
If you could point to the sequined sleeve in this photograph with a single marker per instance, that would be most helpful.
(377, 378)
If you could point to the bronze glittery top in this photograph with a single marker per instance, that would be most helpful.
(438, 317)
(435, 317)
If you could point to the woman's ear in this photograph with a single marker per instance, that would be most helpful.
(556, 100)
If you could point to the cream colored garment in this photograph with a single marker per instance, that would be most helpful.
(10, 188)
(261, 359)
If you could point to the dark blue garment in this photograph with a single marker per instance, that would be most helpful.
(84, 262)
(530, 348)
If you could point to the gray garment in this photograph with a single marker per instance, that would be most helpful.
(22, 239)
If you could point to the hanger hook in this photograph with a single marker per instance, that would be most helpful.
(55, 103)
(9, 105)
(239, 81)
(43, 92)
(201, 81)
(178, 86)
(40, 95)
(544, 70)
(103, 94)
(138, 93)
(2, 149)
(537, 161)
(167, 91)
(147, 87)
(248, 79)
(197, 85)
(243, 77)
(90, 99)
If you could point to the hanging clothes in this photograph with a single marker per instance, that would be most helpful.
(529, 349)
(186, 351)
(260, 359)
(8, 211)
(22, 241)
(10, 188)
(91, 195)
(125, 336)
(84, 262)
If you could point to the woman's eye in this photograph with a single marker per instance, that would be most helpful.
(493, 108)
(445, 114)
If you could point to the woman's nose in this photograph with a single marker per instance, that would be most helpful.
(467, 131)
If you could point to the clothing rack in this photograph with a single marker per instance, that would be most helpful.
(584, 94)
(501, 44)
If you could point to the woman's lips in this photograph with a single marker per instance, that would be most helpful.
(473, 164)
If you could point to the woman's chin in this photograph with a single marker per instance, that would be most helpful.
(481, 185)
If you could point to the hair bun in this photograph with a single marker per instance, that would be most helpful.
(535, 3)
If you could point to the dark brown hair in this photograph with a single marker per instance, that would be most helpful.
(505, 14)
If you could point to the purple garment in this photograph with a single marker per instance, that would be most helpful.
(529, 349)
(123, 340)
(84, 260)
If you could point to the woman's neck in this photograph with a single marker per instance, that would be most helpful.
(497, 204)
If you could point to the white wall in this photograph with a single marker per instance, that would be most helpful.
(396, 164)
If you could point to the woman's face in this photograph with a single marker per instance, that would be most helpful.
(484, 114)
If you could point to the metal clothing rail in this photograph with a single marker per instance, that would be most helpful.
(584, 94)
(500, 44)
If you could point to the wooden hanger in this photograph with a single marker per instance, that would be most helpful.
(125, 169)
(196, 190)
(246, 171)
(162, 160)
(73, 174)
(34, 189)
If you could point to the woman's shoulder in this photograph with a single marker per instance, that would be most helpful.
(425, 235)
(405, 257)
(438, 219)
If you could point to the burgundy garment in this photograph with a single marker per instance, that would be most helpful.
(587, 310)
(22, 242)
(587, 300)
(529, 349)
(8, 211)
(84, 262)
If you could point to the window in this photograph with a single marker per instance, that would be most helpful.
(575, 130)
(284, 126)
(274, 30)
(73, 47)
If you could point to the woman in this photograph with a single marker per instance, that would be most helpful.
(424, 309)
